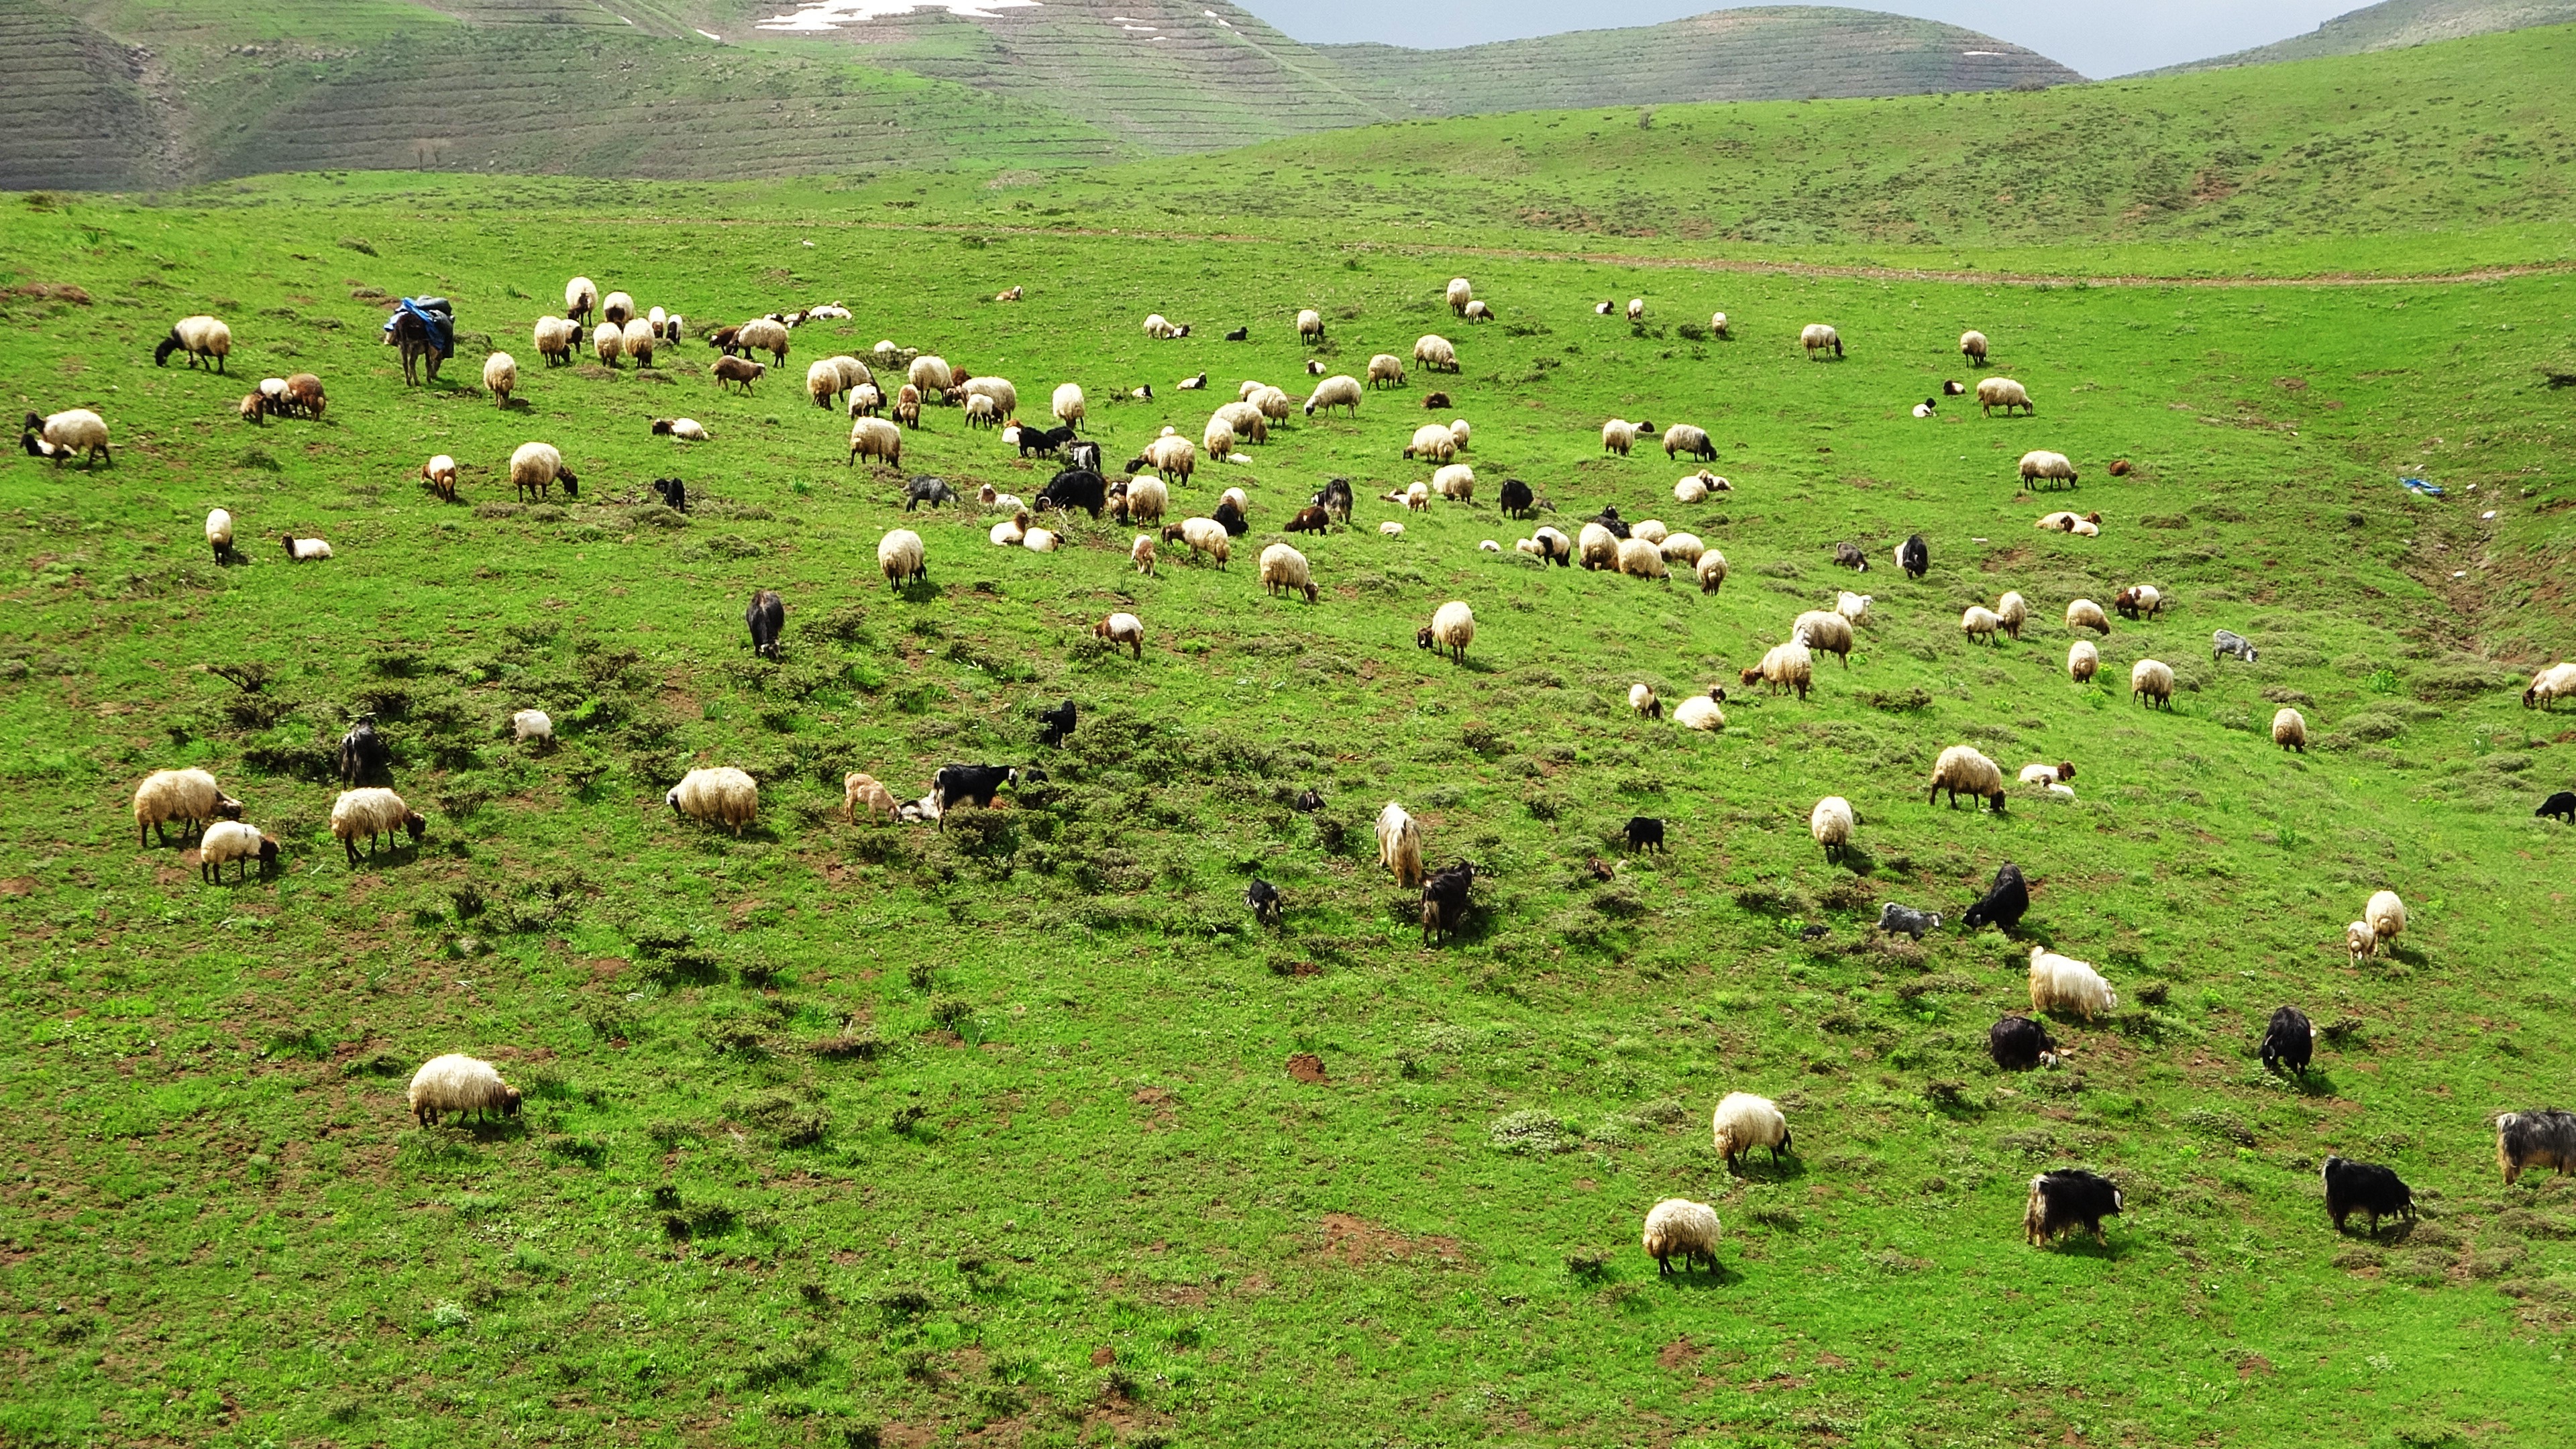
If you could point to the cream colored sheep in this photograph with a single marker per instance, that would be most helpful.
(1826, 632)
(1459, 433)
(1817, 337)
(2387, 917)
(1435, 353)
(2012, 611)
(532, 726)
(1743, 1122)
(581, 298)
(608, 342)
(1205, 536)
(74, 431)
(1639, 559)
(1310, 325)
(2047, 774)
(1683, 438)
(1284, 570)
(2086, 614)
(1399, 844)
(1451, 630)
(1141, 554)
(1218, 439)
(1683, 548)
(617, 307)
(2290, 729)
(875, 438)
(1339, 391)
(500, 377)
(1700, 712)
(931, 374)
(1432, 441)
(1010, 531)
(1698, 486)
(2003, 392)
(2083, 661)
(1711, 569)
(219, 524)
(1980, 622)
(1636, 310)
(1460, 294)
(2362, 941)
(1456, 482)
(1619, 435)
(189, 797)
(723, 796)
(1717, 326)
(1417, 497)
(440, 474)
(1962, 770)
(1652, 530)
(2152, 682)
(2549, 686)
(1147, 500)
(638, 341)
(1680, 1228)
(1041, 540)
(1787, 666)
(228, 841)
(1068, 404)
(1832, 823)
(2039, 464)
(1641, 698)
(901, 558)
(1854, 607)
(686, 430)
(373, 812)
(2062, 983)
(537, 467)
(1005, 398)
(764, 334)
(1386, 368)
(459, 1084)
(1972, 346)
(1596, 547)
(1124, 629)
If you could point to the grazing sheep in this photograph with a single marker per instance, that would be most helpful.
(303, 395)
(2006, 901)
(205, 339)
(1517, 500)
(1141, 554)
(2549, 686)
(2290, 730)
(1678, 1227)
(867, 400)
(1204, 536)
(1435, 353)
(2152, 682)
(1399, 844)
(723, 796)
(2359, 939)
(639, 341)
(2040, 464)
(1147, 500)
(2067, 1199)
(2012, 611)
(1597, 547)
(1972, 346)
(1636, 310)
(2086, 614)
(1743, 1122)
(1068, 404)
(1854, 608)
(1339, 391)
(305, 550)
(608, 342)
(739, 372)
(1641, 698)
(1310, 325)
(1683, 548)
(617, 307)
(1284, 569)
(1717, 327)
(2365, 1187)
(1980, 622)
(1451, 630)
(2387, 917)
(1004, 397)
(219, 526)
(876, 438)
(532, 726)
(190, 797)
(2062, 983)
(1701, 712)
(1639, 559)
(686, 430)
(1961, 769)
(861, 789)
(1831, 823)
(2224, 643)
(2017, 1043)
(1619, 435)
(1460, 294)
(767, 334)
(537, 467)
(2140, 601)
(1825, 631)
(1817, 337)
(765, 617)
(1432, 441)
(2544, 1138)
(901, 558)
(1124, 629)
(2289, 1042)
(555, 339)
(2560, 807)
(1386, 369)
(228, 841)
(2003, 392)
(1161, 329)
(2083, 661)
(1787, 666)
(500, 377)
(1683, 438)
(459, 1084)
(1710, 567)
(372, 812)
(71, 431)
(1914, 556)
(825, 382)
(1478, 311)
(253, 409)
(581, 298)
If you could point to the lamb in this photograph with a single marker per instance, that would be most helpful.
(1161, 329)
(2064, 521)
(2289, 1041)
(1678, 1227)
(1816, 337)
(765, 617)
(1068, 405)
(1310, 325)
(2006, 901)
(219, 532)
(1479, 311)
(1386, 368)
(867, 400)
(555, 340)
(1743, 1122)
(1399, 844)
(1641, 698)
(1639, 559)
(1204, 536)
(305, 550)
(2011, 611)
(459, 1084)
(1961, 769)
(763, 334)
(2086, 614)
(1894, 919)
(1831, 823)
(1914, 556)
(2290, 729)
(2365, 1187)
(532, 726)
(1980, 622)
(71, 431)
(1432, 441)
(686, 430)
(2387, 917)
(901, 558)
(190, 797)
(1451, 630)
(1460, 294)
(2003, 392)
(1338, 391)
(876, 438)
(2083, 661)
(1697, 486)
(2152, 682)
(1711, 569)
(724, 796)
(2224, 643)
(2067, 1199)
(2040, 464)
(1125, 629)
(2359, 939)
(1636, 310)
(739, 372)
(537, 467)
(2062, 983)
(1826, 632)
(228, 841)
(1456, 482)
(607, 341)
(1683, 548)
(1683, 438)
(2549, 686)
(859, 788)
(2141, 600)
(1619, 435)
(1701, 712)
(1041, 540)
(205, 339)
(2018, 1044)
(639, 340)
(1787, 666)
(1435, 353)
(373, 812)
(2545, 1138)
(1972, 346)
(1283, 569)
(907, 411)
(1854, 607)
(253, 409)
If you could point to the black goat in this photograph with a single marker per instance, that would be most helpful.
(363, 755)
(766, 615)
(1645, 832)
(675, 494)
(1266, 902)
(1054, 724)
(2004, 903)
(2289, 1041)
(1444, 901)
(1914, 556)
(1518, 501)
(2018, 1044)
(975, 783)
(1043, 442)
(1308, 801)
(2365, 1187)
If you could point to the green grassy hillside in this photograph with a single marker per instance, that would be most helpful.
(1760, 54)
(2393, 24)
(1021, 1131)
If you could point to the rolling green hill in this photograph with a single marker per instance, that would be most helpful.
(2394, 24)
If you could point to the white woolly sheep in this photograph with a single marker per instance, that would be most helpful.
(1284, 570)
(1338, 391)
(1652, 530)
(1639, 559)
(2139, 601)
(617, 307)
(1124, 629)
(686, 430)
(2362, 941)
(305, 550)
(1011, 295)
(1680, 1228)
(1399, 844)
(2003, 392)
(1391, 529)
(227, 841)
(1961, 770)
(581, 298)
(1698, 486)
(1456, 482)
(1478, 311)
(1683, 548)
(2062, 983)
(1310, 325)
(2039, 464)
(1432, 441)
(532, 726)
(825, 382)
(608, 342)
(2047, 774)
(205, 339)
(2012, 610)
(69, 432)
(1683, 438)
(764, 334)
(2063, 521)
(723, 796)
(2386, 915)
(1275, 405)
(372, 812)
(1041, 540)
(1854, 607)
(2083, 661)
(2549, 686)
(901, 558)
(1160, 328)
(1451, 630)
(1717, 326)
(537, 467)
(1641, 698)
(1980, 622)
(1743, 1122)
(639, 340)
(1147, 500)
(931, 374)
(2290, 730)
(1636, 309)
(1787, 666)
(1141, 553)
(555, 339)
(860, 789)
(1711, 569)
(1218, 438)
(876, 438)
(1435, 353)
(1010, 531)
(1460, 294)
(1204, 536)
(1701, 712)
(1417, 497)
(1005, 397)
(1972, 346)
(1619, 435)
(189, 797)
(459, 1084)
(440, 474)
(1817, 337)
(1832, 823)
(2086, 614)
(501, 377)
(2151, 682)
(219, 536)
(1386, 368)
(1826, 632)
(1068, 404)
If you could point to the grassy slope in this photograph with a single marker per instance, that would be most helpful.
(1073, 1128)
(1774, 53)
(2393, 24)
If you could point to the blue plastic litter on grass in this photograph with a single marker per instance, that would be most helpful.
(2418, 485)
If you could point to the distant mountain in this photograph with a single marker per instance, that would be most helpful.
(2394, 24)
(1770, 54)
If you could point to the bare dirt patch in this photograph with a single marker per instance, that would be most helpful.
(1355, 1242)
(1307, 1067)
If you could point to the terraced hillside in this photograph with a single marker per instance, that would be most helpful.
(2393, 24)
(75, 112)
(1763, 54)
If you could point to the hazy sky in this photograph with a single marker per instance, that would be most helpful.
(2097, 37)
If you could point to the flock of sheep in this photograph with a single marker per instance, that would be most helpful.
(2059, 1201)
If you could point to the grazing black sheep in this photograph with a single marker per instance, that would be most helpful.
(2546, 1138)
(1915, 557)
(1518, 501)
(675, 494)
(363, 755)
(1444, 901)
(2561, 806)
(1893, 918)
(1308, 801)
(1054, 724)
(1609, 518)
(1335, 498)
(1230, 518)
(2365, 1187)
(926, 489)
(765, 617)
(1268, 906)
(1075, 488)
(1043, 442)
(2004, 903)
(2017, 1043)
(2067, 1199)
(975, 783)
(1645, 833)
(2289, 1041)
